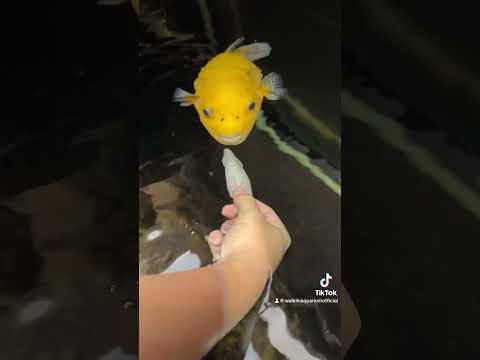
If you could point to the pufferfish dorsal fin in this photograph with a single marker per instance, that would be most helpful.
(235, 44)
(253, 51)
(183, 97)
(274, 83)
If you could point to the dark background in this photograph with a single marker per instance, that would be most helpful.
(69, 146)
(409, 250)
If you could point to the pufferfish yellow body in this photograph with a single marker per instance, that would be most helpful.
(229, 92)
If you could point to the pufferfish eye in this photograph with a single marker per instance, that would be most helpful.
(251, 106)
(207, 112)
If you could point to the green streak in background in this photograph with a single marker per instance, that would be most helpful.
(394, 134)
(303, 159)
(312, 121)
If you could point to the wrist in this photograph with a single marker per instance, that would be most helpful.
(245, 276)
(249, 265)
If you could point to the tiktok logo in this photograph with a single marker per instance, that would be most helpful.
(324, 282)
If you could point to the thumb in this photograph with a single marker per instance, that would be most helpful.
(245, 204)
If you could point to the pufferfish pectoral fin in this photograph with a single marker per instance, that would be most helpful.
(183, 97)
(273, 82)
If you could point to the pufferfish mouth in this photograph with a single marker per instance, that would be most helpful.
(235, 139)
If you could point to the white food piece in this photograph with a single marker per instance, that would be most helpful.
(235, 175)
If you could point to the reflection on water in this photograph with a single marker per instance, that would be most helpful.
(81, 286)
(73, 242)
(34, 310)
(167, 208)
(281, 338)
(118, 354)
(186, 261)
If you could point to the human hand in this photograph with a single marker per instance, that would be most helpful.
(253, 229)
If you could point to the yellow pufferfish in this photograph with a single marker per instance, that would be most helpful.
(229, 91)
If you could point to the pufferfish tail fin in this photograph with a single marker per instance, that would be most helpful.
(274, 84)
(183, 97)
(253, 51)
